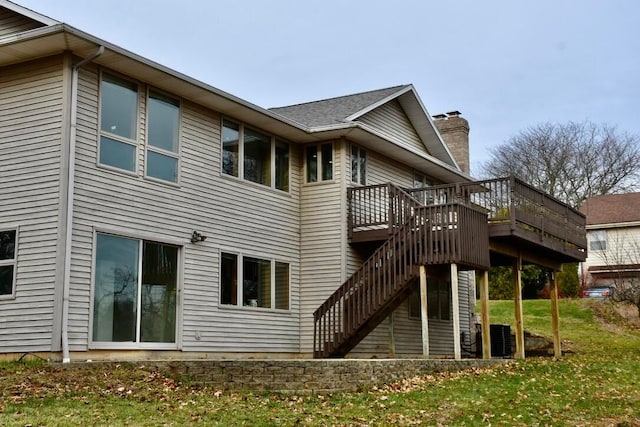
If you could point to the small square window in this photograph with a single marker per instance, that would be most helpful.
(598, 240)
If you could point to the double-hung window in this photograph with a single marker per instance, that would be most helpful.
(254, 156)
(358, 165)
(163, 128)
(8, 253)
(254, 282)
(118, 123)
(135, 291)
(598, 240)
(319, 162)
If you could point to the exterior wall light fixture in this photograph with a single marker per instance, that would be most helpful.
(197, 237)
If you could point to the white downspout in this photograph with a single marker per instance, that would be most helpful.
(73, 118)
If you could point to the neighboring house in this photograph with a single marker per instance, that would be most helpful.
(613, 233)
(146, 214)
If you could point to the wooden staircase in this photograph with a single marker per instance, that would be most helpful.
(418, 235)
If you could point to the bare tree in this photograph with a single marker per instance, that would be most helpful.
(571, 161)
(618, 264)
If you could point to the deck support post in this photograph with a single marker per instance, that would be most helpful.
(517, 298)
(455, 300)
(555, 317)
(484, 313)
(423, 312)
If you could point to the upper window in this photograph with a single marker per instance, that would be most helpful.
(163, 128)
(7, 262)
(135, 290)
(254, 282)
(118, 123)
(319, 162)
(358, 165)
(598, 240)
(254, 156)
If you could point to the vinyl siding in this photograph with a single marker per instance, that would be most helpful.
(12, 22)
(322, 238)
(31, 102)
(392, 122)
(236, 216)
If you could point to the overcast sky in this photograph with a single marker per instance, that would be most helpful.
(506, 65)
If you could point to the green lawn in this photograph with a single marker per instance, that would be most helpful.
(597, 384)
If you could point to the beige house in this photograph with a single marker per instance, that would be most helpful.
(613, 234)
(147, 214)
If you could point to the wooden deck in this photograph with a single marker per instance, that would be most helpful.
(522, 222)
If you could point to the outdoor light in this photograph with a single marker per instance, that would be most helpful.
(197, 237)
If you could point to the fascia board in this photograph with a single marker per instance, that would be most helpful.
(28, 13)
(613, 225)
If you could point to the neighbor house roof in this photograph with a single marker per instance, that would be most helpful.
(612, 209)
(333, 111)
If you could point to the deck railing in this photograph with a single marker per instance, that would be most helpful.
(510, 200)
(437, 234)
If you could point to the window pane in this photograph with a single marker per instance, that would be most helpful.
(116, 289)
(414, 305)
(354, 164)
(6, 279)
(282, 285)
(327, 162)
(229, 279)
(282, 165)
(117, 154)
(363, 167)
(256, 286)
(432, 300)
(162, 167)
(118, 106)
(158, 293)
(7, 244)
(257, 157)
(230, 141)
(312, 163)
(444, 300)
(163, 122)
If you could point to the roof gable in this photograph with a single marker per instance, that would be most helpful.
(359, 108)
(612, 209)
(333, 111)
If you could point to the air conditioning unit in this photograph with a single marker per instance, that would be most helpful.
(500, 340)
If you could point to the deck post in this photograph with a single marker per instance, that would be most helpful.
(517, 298)
(555, 317)
(484, 312)
(423, 312)
(457, 352)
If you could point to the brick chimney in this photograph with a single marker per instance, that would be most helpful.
(455, 133)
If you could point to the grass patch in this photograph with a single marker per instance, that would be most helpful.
(598, 384)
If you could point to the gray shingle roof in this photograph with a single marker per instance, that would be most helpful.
(334, 110)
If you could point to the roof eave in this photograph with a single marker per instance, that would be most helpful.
(45, 20)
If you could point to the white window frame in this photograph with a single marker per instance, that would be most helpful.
(133, 142)
(320, 162)
(240, 283)
(13, 262)
(598, 240)
(272, 156)
(122, 345)
(148, 147)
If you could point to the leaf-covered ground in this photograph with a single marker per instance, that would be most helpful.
(598, 384)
